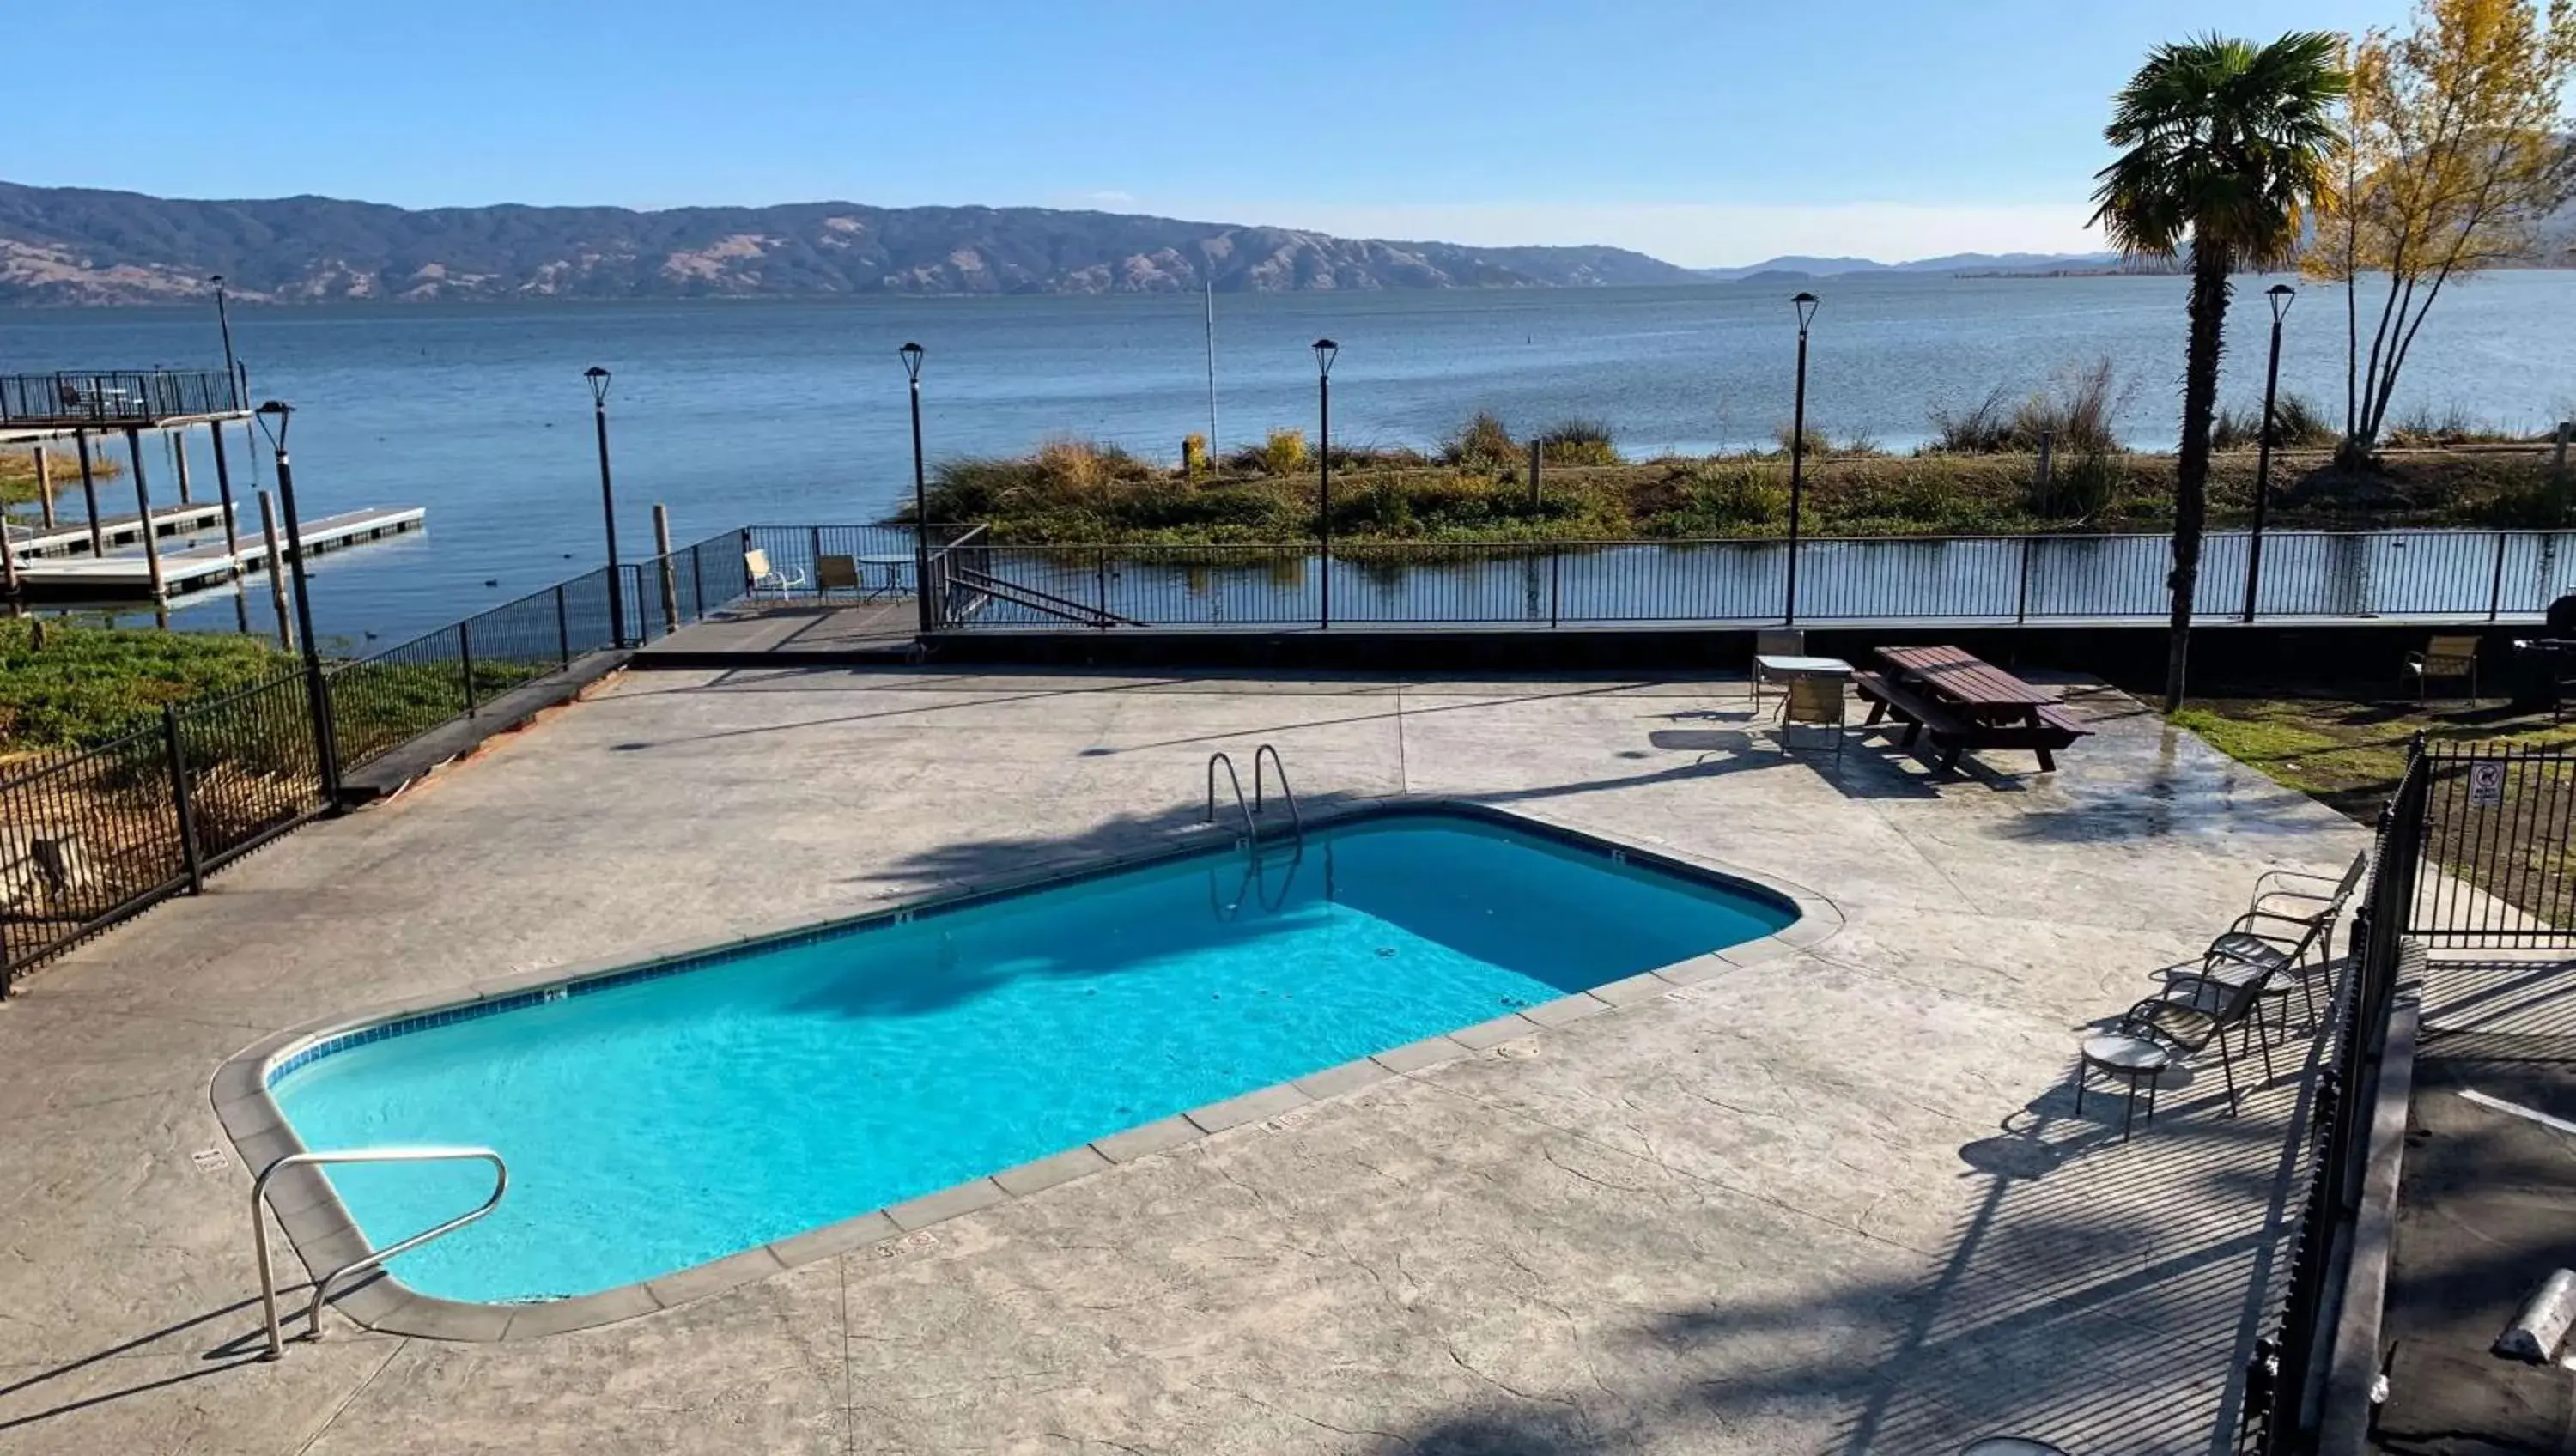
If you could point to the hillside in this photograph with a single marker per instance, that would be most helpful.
(79, 246)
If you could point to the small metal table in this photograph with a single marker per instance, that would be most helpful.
(1782, 666)
(896, 563)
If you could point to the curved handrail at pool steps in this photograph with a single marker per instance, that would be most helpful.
(375, 1258)
(1294, 814)
(1251, 831)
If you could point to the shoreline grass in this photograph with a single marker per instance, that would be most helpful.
(1076, 492)
(88, 685)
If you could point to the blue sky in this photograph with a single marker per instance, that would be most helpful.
(1708, 133)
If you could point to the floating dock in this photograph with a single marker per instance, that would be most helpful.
(87, 578)
(127, 530)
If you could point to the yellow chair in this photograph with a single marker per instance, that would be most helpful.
(2444, 657)
(837, 573)
(1814, 699)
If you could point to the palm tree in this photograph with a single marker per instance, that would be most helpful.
(2225, 145)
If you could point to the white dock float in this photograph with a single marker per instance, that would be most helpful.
(72, 538)
(129, 578)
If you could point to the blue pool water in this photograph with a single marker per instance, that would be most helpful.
(662, 1122)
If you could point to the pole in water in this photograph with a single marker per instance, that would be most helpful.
(179, 462)
(89, 495)
(45, 486)
(144, 525)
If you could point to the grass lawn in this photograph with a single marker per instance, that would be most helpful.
(2349, 751)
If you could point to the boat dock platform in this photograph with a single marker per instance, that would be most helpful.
(72, 538)
(86, 578)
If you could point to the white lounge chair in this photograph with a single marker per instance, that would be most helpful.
(765, 577)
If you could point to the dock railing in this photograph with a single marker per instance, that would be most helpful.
(116, 397)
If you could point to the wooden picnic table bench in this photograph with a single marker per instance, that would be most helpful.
(1964, 702)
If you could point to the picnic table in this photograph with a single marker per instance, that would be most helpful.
(1965, 702)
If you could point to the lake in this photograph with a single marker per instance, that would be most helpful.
(734, 412)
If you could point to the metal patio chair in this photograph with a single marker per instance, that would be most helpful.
(1817, 701)
(838, 573)
(765, 577)
(2287, 932)
(2194, 1014)
(2444, 657)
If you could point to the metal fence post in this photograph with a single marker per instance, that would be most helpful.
(697, 583)
(182, 801)
(465, 659)
(2495, 588)
(2021, 602)
(1555, 586)
(1100, 570)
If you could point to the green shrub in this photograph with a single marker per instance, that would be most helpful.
(2080, 486)
(2078, 411)
(2296, 425)
(91, 684)
(1482, 440)
(1578, 442)
(1726, 498)
(2451, 425)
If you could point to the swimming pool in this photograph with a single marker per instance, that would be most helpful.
(665, 1116)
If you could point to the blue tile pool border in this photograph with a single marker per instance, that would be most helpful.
(325, 1236)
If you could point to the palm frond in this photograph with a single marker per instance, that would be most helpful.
(2226, 144)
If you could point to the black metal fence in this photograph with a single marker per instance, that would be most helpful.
(2428, 573)
(117, 397)
(89, 837)
(2500, 822)
(2286, 1382)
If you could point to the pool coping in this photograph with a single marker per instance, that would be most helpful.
(325, 1236)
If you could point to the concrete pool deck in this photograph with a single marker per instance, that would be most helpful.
(1837, 1200)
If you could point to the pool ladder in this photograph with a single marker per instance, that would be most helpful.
(375, 1258)
(1260, 791)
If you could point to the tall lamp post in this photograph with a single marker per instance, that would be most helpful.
(274, 417)
(232, 366)
(2279, 296)
(1805, 304)
(1326, 351)
(911, 353)
(598, 378)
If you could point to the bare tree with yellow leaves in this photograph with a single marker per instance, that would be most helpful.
(2454, 148)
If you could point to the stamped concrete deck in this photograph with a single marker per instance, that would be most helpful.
(1835, 1202)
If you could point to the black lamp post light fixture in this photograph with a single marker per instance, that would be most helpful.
(1326, 351)
(232, 366)
(274, 418)
(2280, 296)
(598, 379)
(911, 354)
(1805, 304)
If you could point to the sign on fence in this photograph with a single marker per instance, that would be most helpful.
(2486, 785)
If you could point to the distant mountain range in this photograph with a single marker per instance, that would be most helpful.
(61, 245)
(1796, 266)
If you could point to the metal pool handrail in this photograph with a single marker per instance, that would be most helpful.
(322, 1286)
(1251, 831)
(1285, 792)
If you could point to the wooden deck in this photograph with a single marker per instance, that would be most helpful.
(795, 633)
